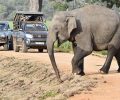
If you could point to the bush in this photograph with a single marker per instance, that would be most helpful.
(104, 52)
(47, 23)
(65, 47)
(60, 6)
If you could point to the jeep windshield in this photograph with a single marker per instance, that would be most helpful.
(2, 26)
(35, 27)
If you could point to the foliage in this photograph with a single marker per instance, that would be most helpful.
(11, 24)
(69, 0)
(60, 6)
(80, 3)
(104, 52)
(8, 8)
(48, 94)
(110, 3)
(65, 47)
(48, 23)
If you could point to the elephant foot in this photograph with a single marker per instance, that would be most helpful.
(103, 71)
(82, 73)
(60, 81)
(118, 70)
(78, 73)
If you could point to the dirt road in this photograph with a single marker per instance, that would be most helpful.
(108, 88)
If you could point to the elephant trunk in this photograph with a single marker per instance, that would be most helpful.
(50, 48)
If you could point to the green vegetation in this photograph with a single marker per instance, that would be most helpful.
(48, 23)
(104, 52)
(11, 24)
(65, 47)
(111, 3)
(48, 94)
(60, 6)
(9, 7)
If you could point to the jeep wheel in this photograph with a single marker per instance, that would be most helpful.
(15, 47)
(24, 47)
(6, 46)
(11, 47)
(11, 44)
(40, 50)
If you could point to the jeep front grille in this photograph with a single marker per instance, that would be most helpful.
(40, 36)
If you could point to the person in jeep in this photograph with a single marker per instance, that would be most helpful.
(30, 32)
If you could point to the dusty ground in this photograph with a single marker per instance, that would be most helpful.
(29, 76)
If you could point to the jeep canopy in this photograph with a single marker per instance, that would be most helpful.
(22, 16)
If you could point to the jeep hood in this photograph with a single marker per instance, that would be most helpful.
(37, 32)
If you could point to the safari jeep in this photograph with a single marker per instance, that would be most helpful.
(29, 31)
(6, 35)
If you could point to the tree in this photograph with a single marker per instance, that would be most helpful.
(110, 3)
(35, 5)
(40, 5)
(60, 6)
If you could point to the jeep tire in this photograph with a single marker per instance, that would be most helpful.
(15, 47)
(6, 46)
(24, 47)
(40, 50)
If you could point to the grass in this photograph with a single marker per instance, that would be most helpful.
(104, 52)
(11, 24)
(47, 23)
(49, 94)
(65, 47)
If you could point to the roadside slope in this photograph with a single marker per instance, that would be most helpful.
(107, 88)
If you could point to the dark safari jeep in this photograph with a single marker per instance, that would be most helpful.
(29, 31)
(6, 35)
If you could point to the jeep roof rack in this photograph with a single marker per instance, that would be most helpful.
(29, 13)
(22, 16)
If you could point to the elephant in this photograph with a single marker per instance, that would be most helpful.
(90, 28)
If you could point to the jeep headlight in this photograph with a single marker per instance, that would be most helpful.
(29, 36)
(2, 35)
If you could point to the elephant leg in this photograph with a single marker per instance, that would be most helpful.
(78, 60)
(117, 56)
(111, 53)
(80, 66)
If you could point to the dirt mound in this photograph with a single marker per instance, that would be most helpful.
(27, 80)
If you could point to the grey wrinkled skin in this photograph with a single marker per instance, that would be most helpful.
(91, 28)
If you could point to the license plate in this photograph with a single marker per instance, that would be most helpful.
(42, 43)
(39, 36)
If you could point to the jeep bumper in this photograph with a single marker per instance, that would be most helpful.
(36, 43)
(3, 40)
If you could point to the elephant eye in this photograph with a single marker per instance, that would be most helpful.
(56, 28)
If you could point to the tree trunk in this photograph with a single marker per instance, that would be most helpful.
(35, 5)
(40, 5)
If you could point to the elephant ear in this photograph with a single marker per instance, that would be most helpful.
(71, 24)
